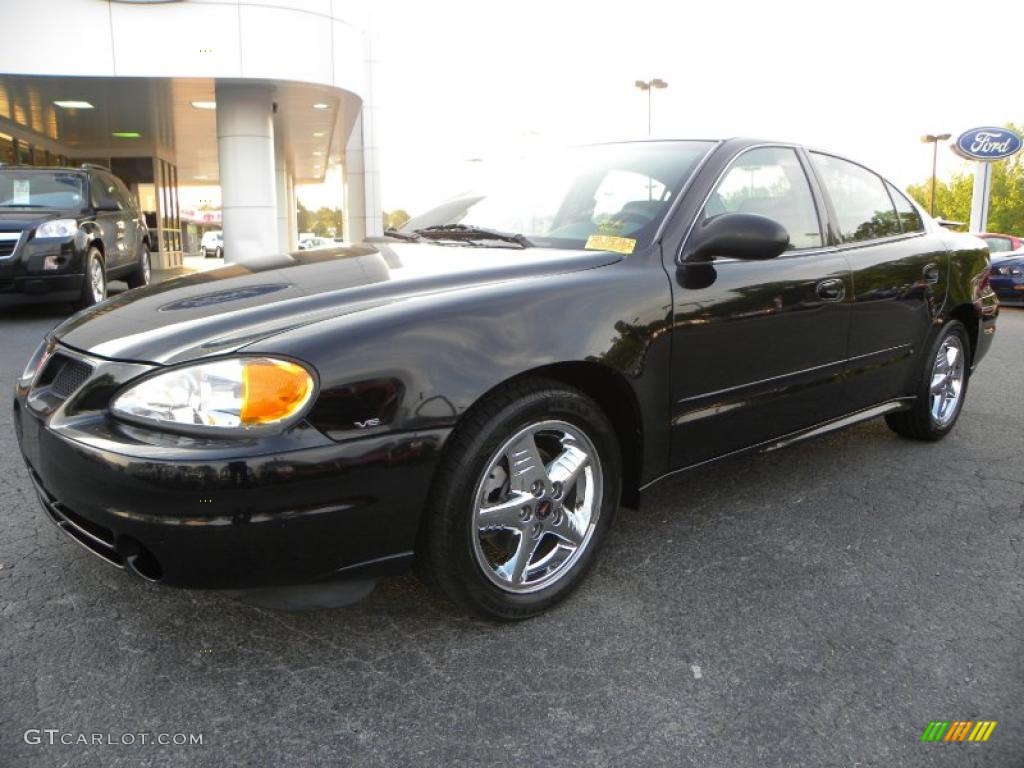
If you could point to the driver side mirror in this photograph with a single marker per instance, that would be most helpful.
(737, 236)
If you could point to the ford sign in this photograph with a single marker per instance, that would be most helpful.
(987, 144)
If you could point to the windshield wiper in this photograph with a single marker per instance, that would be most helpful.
(467, 232)
(409, 237)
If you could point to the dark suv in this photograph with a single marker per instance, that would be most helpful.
(64, 232)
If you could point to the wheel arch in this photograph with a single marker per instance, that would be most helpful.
(968, 316)
(613, 395)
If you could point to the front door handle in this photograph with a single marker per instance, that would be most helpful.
(931, 274)
(832, 289)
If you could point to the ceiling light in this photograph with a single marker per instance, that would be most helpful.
(319, 134)
(201, 178)
(73, 104)
(126, 134)
(318, 153)
(204, 104)
(320, 105)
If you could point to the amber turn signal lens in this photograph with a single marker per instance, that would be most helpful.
(273, 390)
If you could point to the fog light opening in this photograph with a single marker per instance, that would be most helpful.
(141, 561)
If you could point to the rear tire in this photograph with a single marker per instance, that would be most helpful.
(941, 388)
(94, 280)
(508, 537)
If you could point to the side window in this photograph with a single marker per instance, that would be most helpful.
(909, 217)
(101, 191)
(123, 196)
(770, 181)
(863, 207)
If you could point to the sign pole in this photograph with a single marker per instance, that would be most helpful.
(980, 195)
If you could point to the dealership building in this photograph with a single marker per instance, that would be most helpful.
(253, 96)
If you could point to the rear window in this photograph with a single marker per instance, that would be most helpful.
(997, 244)
(35, 189)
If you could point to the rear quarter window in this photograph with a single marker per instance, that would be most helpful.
(910, 219)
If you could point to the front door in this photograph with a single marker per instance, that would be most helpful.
(113, 221)
(759, 347)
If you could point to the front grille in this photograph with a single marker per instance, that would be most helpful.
(73, 375)
(64, 375)
(8, 242)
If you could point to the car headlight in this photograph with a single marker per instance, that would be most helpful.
(57, 228)
(241, 394)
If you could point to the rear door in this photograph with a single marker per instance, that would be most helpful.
(130, 217)
(900, 274)
(759, 347)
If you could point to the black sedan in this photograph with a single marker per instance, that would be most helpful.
(479, 392)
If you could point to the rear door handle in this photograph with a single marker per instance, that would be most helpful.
(931, 273)
(832, 289)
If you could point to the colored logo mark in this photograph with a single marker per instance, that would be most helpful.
(958, 730)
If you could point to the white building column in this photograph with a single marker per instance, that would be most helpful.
(355, 186)
(363, 214)
(293, 208)
(245, 153)
(281, 192)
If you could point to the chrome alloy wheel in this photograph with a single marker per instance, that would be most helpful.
(97, 281)
(536, 506)
(947, 383)
(147, 267)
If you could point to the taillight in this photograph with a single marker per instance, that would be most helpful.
(981, 284)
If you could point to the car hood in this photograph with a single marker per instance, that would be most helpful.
(25, 218)
(214, 312)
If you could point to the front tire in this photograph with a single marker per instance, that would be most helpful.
(941, 389)
(219, 253)
(144, 272)
(524, 497)
(94, 280)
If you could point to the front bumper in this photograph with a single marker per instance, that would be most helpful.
(328, 511)
(25, 280)
(1010, 290)
(32, 289)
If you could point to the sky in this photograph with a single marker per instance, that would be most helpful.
(460, 85)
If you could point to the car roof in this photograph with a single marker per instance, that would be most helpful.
(62, 168)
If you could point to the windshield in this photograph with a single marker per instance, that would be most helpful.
(611, 196)
(40, 189)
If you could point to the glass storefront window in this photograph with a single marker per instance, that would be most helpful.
(7, 149)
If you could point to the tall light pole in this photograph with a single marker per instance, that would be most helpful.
(650, 85)
(934, 139)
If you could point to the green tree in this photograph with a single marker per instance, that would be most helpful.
(395, 219)
(323, 222)
(1006, 202)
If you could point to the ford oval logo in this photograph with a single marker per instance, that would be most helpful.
(988, 143)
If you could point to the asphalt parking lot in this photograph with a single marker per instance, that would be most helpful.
(814, 606)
